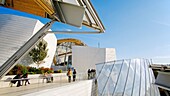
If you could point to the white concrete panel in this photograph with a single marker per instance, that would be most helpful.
(85, 58)
(52, 43)
(110, 54)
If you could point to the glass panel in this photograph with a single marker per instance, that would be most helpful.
(104, 77)
(137, 80)
(122, 79)
(132, 78)
(142, 78)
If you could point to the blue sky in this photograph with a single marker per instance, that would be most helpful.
(136, 28)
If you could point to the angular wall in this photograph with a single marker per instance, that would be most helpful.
(84, 58)
(15, 31)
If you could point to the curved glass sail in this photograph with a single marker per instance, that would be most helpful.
(131, 77)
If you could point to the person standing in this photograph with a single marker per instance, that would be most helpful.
(69, 73)
(17, 79)
(74, 75)
(25, 76)
(93, 73)
(89, 73)
(51, 77)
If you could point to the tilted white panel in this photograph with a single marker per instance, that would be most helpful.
(71, 2)
(14, 32)
(162, 80)
(17, 30)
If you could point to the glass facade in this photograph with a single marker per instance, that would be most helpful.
(131, 77)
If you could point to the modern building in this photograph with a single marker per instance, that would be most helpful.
(62, 11)
(64, 50)
(63, 55)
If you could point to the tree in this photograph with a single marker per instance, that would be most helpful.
(39, 52)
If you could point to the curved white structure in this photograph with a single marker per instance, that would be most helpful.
(15, 31)
(52, 43)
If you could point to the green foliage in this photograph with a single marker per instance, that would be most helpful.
(31, 73)
(44, 70)
(58, 71)
(30, 70)
(24, 70)
(39, 52)
(18, 69)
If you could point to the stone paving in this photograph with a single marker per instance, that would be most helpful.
(30, 88)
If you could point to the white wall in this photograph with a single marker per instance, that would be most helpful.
(110, 54)
(52, 43)
(84, 58)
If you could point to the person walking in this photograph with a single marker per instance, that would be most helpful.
(69, 73)
(74, 75)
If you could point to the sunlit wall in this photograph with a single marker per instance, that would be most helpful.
(84, 58)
